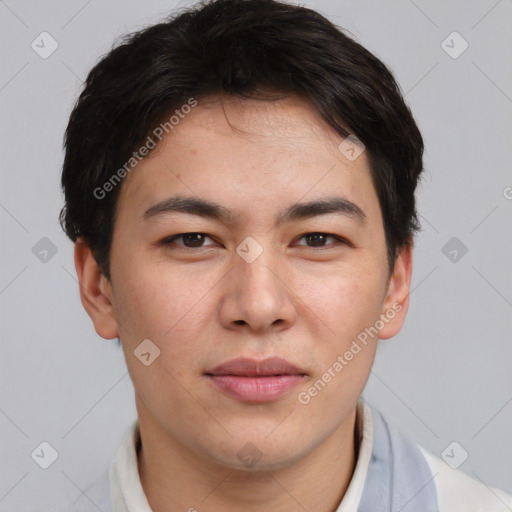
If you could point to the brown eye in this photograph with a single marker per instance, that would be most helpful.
(189, 240)
(319, 239)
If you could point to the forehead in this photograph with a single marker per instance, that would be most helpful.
(240, 150)
(288, 123)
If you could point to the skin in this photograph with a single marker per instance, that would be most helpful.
(205, 305)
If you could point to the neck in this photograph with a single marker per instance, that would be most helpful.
(175, 478)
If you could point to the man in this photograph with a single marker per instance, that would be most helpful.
(239, 185)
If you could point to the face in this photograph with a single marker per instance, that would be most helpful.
(252, 282)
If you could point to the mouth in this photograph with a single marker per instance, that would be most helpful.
(254, 381)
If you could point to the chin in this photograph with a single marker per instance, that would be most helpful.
(259, 455)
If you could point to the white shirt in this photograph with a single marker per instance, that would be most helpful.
(121, 489)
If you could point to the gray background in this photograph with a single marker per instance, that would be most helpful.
(446, 377)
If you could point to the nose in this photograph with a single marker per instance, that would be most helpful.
(257, 296)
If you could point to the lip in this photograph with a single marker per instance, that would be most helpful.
(250, 380)
(247, 367)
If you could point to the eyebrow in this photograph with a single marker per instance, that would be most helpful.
(217, 212)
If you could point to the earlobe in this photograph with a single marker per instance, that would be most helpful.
(396, 304)
(95, 292)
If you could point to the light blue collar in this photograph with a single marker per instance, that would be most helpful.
(399, 478)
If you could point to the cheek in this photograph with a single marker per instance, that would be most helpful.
(151, 305)
(151, 299)
(155, 302)
(346, 301)
(345, 359)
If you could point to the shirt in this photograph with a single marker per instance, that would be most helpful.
(392, 474)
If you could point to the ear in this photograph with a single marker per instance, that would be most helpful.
(95, 292)
(396, 303)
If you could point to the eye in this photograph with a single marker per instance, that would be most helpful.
(190, 240)
(319, 239)
(197, 240)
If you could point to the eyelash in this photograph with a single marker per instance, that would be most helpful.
(339, 240)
